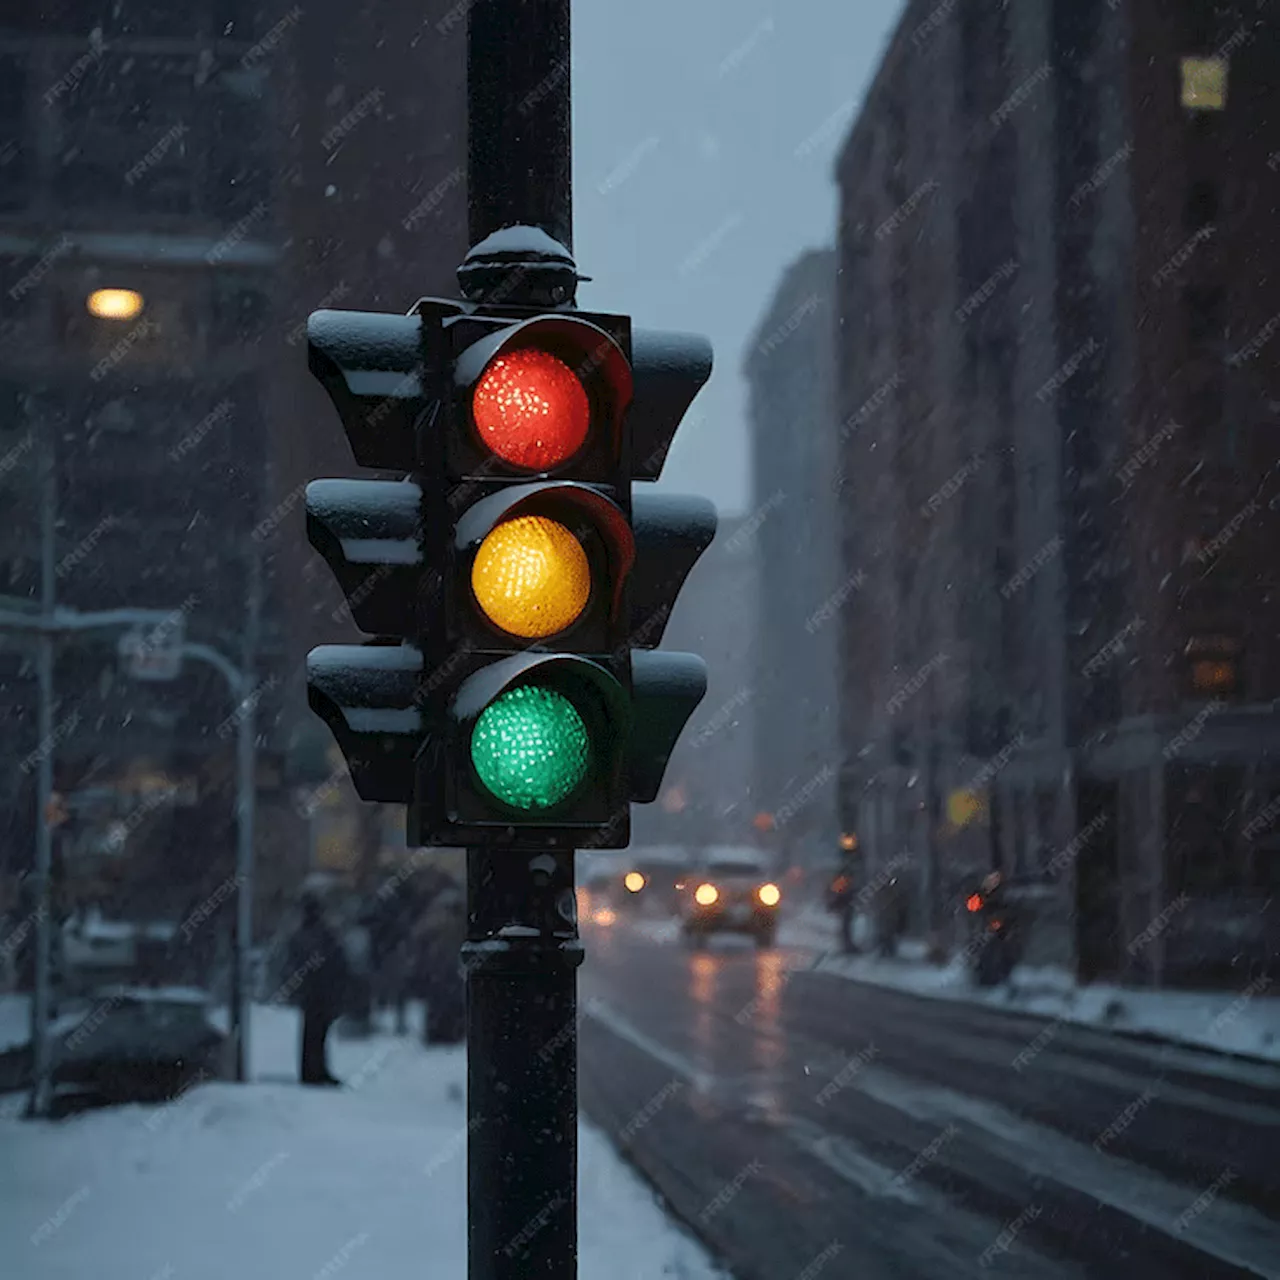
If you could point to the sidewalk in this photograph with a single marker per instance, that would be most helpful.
(1244, 1022)
(271, 1179)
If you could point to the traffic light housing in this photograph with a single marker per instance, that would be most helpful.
(518, 578)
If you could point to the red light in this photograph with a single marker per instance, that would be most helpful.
(531, 409)
(974, 902)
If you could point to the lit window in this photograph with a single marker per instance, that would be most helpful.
(1204, 84)
(1214, 677)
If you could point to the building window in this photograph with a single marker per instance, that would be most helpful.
(1213, 667)
(1204, 84)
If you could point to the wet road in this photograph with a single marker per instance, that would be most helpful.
(806, 1125)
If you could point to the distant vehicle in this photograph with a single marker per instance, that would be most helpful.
(652, 881)
(119, 1044)
(730, 891)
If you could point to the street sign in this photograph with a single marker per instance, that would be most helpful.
(153, 655)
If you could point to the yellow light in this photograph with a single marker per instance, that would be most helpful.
(705, 894)
(634, 881)
(770, 895)
(531, 577)
(963, 807)
(1204, 84)
(848, 842)
(604, 916)
(114, 304)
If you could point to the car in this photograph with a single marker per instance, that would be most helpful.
(730, 892)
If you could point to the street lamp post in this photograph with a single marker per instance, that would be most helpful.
(47, 625)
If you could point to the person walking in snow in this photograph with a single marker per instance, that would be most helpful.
(318, 964)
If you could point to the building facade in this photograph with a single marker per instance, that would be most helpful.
(803, 593)
(708, 795)
(236, 165)
(1056, 412)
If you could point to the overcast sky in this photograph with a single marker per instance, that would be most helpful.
(705, 133)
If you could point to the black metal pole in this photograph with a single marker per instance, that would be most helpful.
(519, 152)
(522, 949)
(521, 959)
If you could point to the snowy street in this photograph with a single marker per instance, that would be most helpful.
(274, 1181)
(791, 1105)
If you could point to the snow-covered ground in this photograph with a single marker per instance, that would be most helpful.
(1245, 1022)
(271, 1180)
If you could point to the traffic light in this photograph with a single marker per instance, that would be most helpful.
(518, 579)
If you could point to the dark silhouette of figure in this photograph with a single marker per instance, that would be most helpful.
(318, 965)
(840, 901)
(444, 930)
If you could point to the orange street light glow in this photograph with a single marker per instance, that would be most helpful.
(114, 304)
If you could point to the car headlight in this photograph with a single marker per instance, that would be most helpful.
(769, 894)
(705, 894)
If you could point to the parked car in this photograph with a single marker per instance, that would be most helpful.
(730, 891)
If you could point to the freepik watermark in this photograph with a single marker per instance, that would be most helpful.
(873, 402)
(271, 40)
(953, 486)
(336, 294)
(48, 260)
(1148, 451)
(369, 103)
(1112, 649)
(650, 1109)
(1004, 1241)
(835, 602)
(219, 414)
(1021, 94)
(617, 176)
(1032, 567)
(986, 291)
(1068, 371)
(727, 1193)
(1159, 925)
(847, 1074)
(903, 212)
(1183, 256)
(916, 683)
(157, 153)
(1100, 176)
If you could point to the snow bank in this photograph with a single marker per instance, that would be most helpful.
(1246, 1022)
(271, 1180)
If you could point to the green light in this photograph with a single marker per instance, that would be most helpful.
(531, 748)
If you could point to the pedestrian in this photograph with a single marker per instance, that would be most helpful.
(840, 901)
(444, 930)
(318, 964)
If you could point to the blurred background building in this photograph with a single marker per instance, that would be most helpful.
(1054, 312)
(792, 530)
(232, 166)
(707, 795)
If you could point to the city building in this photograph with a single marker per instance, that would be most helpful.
(793, 530)
(1057, 416)
(708, 795)
(179, 187)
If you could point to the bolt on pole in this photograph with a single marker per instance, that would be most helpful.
(522, 1040)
